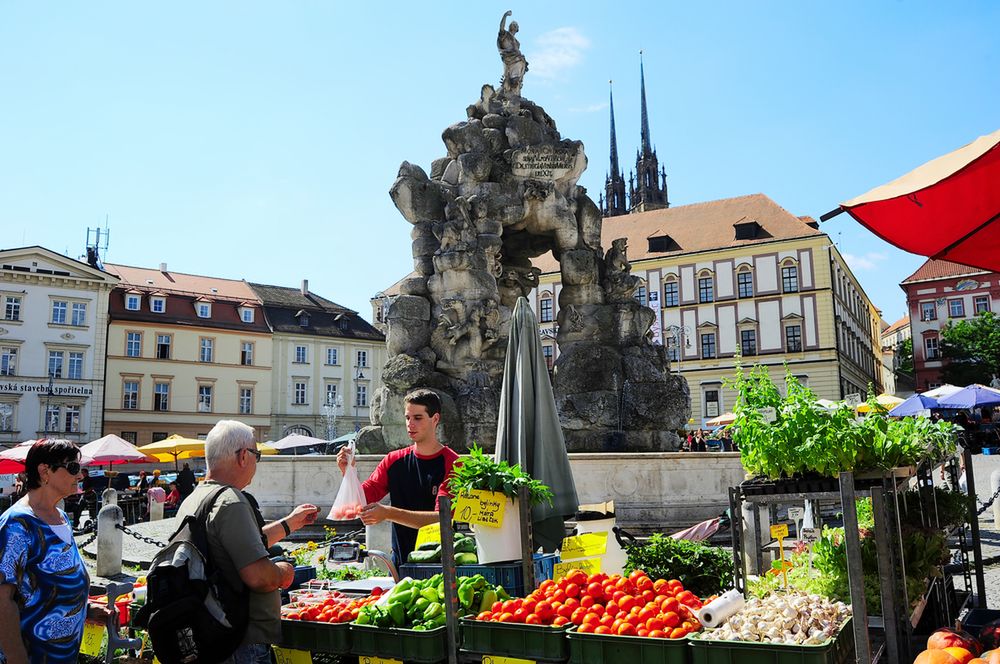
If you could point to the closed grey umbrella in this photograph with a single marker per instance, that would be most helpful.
(528, 430)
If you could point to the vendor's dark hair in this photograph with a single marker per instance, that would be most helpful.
(50, 451)
(426, 398)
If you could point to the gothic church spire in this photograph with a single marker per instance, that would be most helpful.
(614, 202)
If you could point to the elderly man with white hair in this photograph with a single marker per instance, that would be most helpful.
(238, 537)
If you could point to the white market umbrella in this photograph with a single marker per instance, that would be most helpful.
(296, 440)
(112, 449)
(941, 392)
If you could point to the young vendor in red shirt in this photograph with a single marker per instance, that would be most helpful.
(413, 477)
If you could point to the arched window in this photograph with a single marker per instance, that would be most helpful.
(789, 276)
(744, 281)
(706, 286)
(671, 292)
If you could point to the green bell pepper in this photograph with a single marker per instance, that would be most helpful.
(397, 613)
(489, 597)
(465, 595)
(433, 610)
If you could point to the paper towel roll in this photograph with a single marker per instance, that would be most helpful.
(718, 610)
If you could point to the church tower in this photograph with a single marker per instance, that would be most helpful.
(613, 203)
(648, 190)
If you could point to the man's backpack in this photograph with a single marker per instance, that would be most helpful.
(192, 614)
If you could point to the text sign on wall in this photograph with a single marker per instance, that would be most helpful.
(13, 387)
(543, 163)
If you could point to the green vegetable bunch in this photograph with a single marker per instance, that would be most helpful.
(704, 570)
(478, 471)
(420, 605)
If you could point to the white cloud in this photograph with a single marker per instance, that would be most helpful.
(557, 51)
(592, 108)
(869, 261)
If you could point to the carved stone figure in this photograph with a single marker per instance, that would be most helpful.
(619, 283)
(514, 64)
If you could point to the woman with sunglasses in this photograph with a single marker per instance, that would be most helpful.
(43, 582)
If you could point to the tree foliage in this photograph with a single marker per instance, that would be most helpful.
(972, 349)
(904, 361)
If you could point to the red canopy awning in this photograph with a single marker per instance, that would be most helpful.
(948, 209)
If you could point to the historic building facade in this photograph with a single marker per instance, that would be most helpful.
(893, 337)
(327, 363)
(185, 351)
(937, 293)
(53, 327)
(740, 280)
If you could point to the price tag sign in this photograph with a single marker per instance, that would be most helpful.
(93, 638)
(853, 400)
(779, 531)
(769, 413)
(484, 508)
(796, 513)
(494, 659)
(588, 565)
(584, 546)
(810, 534)
(375, 660)
(429, 533)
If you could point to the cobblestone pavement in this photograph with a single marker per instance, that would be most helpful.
(983, 466)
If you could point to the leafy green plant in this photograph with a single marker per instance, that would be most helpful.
(704, 570)
(478, 471)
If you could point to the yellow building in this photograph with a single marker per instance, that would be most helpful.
(740, 277)
(183, 352)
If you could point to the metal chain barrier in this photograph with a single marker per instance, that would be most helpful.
(988, 503)
(142, 538)
(90, 528)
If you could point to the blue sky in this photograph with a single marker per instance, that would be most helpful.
(259, 140)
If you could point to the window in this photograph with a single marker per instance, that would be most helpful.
(793, 338)
(132, 302)
(157, 305)
(300, 354)
(672, 352)
(547, 354)
(744, 281)
(640, 295)
(55, 363)
(956, 308)
(981, 303)
(204, 310)
(299, 394)
(75, 366)
(157, 436)
(790, 279)
(748, 342)
(246, 353)
(671, 294)
(546, 310)
(8, 361)
(12, 308)
(706, 289)
(59, 312)
(161, 396)
(130, 436)
(331, 394)
(133, 344)
(361, 399)
(331, 356)
(362, 358)
(52, 418)
(931, 344)
(206, 351)
(928, 311)
(130, 395)
(711, 403)
(71, 419)
(708, 345)
(163, 346)
(246, 314)
(205, 398)
(79, 317)
(246, 399)
(6, 417)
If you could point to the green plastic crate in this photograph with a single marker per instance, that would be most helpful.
(605, 648)
(333, 638)
(534, 642)
(838, 651)
(407, 645)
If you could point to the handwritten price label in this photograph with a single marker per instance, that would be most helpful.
(484, 508)
(429, 533)
(584, 546)
(93, 639)
(289, 656)
(769, 413)
(588, 565)
(810, 534)
(796, 513)
(493, 659)
(779, 531)
(376, 660)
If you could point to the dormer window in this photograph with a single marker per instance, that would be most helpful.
(246, 314)
(132, 301)
(662, 243)
(158, 304)
(203, 308)
(303, 317)
(747, 230)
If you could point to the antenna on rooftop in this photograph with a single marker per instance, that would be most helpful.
(95, 248)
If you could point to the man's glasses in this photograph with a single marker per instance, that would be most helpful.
(255, 452)
(72, 467)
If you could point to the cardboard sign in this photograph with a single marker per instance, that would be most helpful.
(484, 508)
(93, 639)
(584, 546)
(796, 513)
(429, 533)
(587, 565)
(769, 413)
(289, 656)
(853, 400)
(779, 531)
(494, 659)
(810, 534)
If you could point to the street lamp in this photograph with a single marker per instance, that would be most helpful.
(357, 398)
(330, 411)
(680, 337)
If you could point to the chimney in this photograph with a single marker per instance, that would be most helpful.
(305, 287)
(163, 267)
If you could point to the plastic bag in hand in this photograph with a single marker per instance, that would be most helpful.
(351, 497)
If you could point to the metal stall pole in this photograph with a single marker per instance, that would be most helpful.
(977, 549)
(527, 540)
(889, 583)
(448, 573)
(855, 574)
(736, 532)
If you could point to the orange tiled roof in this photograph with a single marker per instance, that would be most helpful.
(151, 279)
(938, 269)
(902, 322)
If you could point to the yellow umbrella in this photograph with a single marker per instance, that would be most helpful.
(266, 449)
(887, 401)
(175, 447)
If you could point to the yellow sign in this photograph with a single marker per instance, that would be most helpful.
(494, 659)
(375, 660)
(429, 533)
(588, 565)
(584, 546)
(779, 531)
(93, 638)
(481, 507)
(289, 656)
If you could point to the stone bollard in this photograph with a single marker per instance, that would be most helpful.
(156, 497)
(109, 540)
(109, 497)
(379, 537)
(994, 485)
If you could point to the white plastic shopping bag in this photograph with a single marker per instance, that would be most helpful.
(351, 497)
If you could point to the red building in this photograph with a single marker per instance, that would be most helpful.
(937, 293)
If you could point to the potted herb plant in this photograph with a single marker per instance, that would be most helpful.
(481, 472)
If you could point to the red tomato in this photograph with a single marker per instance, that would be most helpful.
(595, 590)
(520, 615)
(532, 619)
(560, 621)
(497, 607)
(577, 616)
(577, 576)
(586, 601)
(626, 629)
(572, 602)
(670, 620)
(669, 604)
(642, 631)
(591, 619)
(646, 614)
(544, 609)
(611, 608)
(546, 584)
(657, 634)
(559, 595)
(485, 615)
(529, 604)
(506, 617)
(660, 585)
(655, 623)
(596, 578)
(511, 605)
(565, 611)
(643, 583)
(602, 629)
(626, 603)
(572, 590)
(607, 620)
(678, 633)
(636, 574)
(585, 628)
